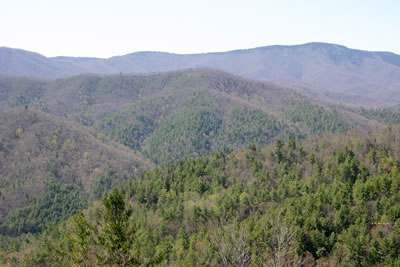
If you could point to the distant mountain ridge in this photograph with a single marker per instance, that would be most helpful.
(326, 71)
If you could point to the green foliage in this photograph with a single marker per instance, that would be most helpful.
(329, 216)
(164, 115)
(245, 126)
(317, 119)
(130, 134)
(187, 134)
(59, 202)
(111, 242)
(106, 182)
(384, 115)
(153, 113)
(292, 203)
(197, 128)
(39, 150)
(19, 132)
(117, 237)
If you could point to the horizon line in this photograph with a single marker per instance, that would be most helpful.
(200, 53)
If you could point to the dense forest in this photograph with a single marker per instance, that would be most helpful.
(181, 114)
(328, 201)
(50, 168)
(272, 155)
(193, 168)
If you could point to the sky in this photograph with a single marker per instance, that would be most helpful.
(105, 28)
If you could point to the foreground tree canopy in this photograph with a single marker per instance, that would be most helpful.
(331, 201)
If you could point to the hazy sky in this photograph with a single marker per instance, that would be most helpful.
(105, 28)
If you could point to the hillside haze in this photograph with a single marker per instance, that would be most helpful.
(326, 71)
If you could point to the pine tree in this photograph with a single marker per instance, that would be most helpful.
(118, 234)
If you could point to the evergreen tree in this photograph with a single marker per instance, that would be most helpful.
(118, 233)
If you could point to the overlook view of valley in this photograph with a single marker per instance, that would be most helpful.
(272, 155)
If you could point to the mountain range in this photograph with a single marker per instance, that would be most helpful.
(326, 71)
(74, 129)
(178, 114)
(70, 140)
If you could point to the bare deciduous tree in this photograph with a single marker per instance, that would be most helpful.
(278, 243)
(230, 242)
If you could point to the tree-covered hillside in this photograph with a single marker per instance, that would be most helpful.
(194, 124)
(50, 167)
(175, 115)
(333, 201)
(385, 115)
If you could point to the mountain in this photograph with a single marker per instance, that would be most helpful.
(336, 195)
(179, 114)
(45, 160)
(19, 62)
(326, 71)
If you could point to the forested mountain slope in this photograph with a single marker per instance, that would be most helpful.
(332, 201)
(50, 167)
(326, 71)
(173, 115)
